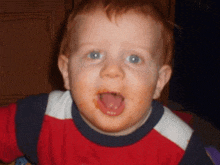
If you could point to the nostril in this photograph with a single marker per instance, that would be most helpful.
(113, 71)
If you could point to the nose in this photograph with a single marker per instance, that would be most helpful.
(112, 70)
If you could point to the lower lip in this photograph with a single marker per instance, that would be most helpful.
(111, 112)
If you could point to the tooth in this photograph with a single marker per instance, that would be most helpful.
(111, 113)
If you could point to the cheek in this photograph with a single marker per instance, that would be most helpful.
(84, 78)
(141, 88)
(82, 72)
(82, 83)
(141, 81)
(76, 71)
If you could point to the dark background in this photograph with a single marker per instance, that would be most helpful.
(196, 78)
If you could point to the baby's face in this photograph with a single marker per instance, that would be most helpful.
(119, 58)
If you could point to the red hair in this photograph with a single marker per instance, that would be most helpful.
(154, 8)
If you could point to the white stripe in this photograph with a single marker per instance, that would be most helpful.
(59, 105)
(173, 128)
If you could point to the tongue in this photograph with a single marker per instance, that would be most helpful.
(111, 101)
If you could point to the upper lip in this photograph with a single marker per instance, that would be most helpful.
(108, 91)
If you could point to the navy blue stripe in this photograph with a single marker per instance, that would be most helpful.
(195, 153)
(28, 120)
(118, 141)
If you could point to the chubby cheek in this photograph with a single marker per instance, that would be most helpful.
(141, 85)
(82, 85)
(140, 91)
(140, 102)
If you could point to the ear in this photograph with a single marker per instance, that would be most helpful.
(63, 67)
(164, 76)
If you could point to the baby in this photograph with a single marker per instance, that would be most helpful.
(115, 60)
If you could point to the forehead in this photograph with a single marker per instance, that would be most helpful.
(128, 28)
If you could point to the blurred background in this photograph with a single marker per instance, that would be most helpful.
(196, 79)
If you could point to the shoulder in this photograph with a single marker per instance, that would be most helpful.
(30, 117)
(44, 104)
(180, 133)
(174, 129)
(31, 106)
(59, 105)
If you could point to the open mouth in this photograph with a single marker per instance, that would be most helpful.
(111, 103)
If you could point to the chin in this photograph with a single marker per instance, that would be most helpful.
(110, 128)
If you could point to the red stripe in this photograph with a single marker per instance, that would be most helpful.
(9, 150)
(61, 143)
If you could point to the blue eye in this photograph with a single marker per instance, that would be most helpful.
(95, 55)
(133, 59)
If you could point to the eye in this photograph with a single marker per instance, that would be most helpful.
(95, 55)
(133, 59)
